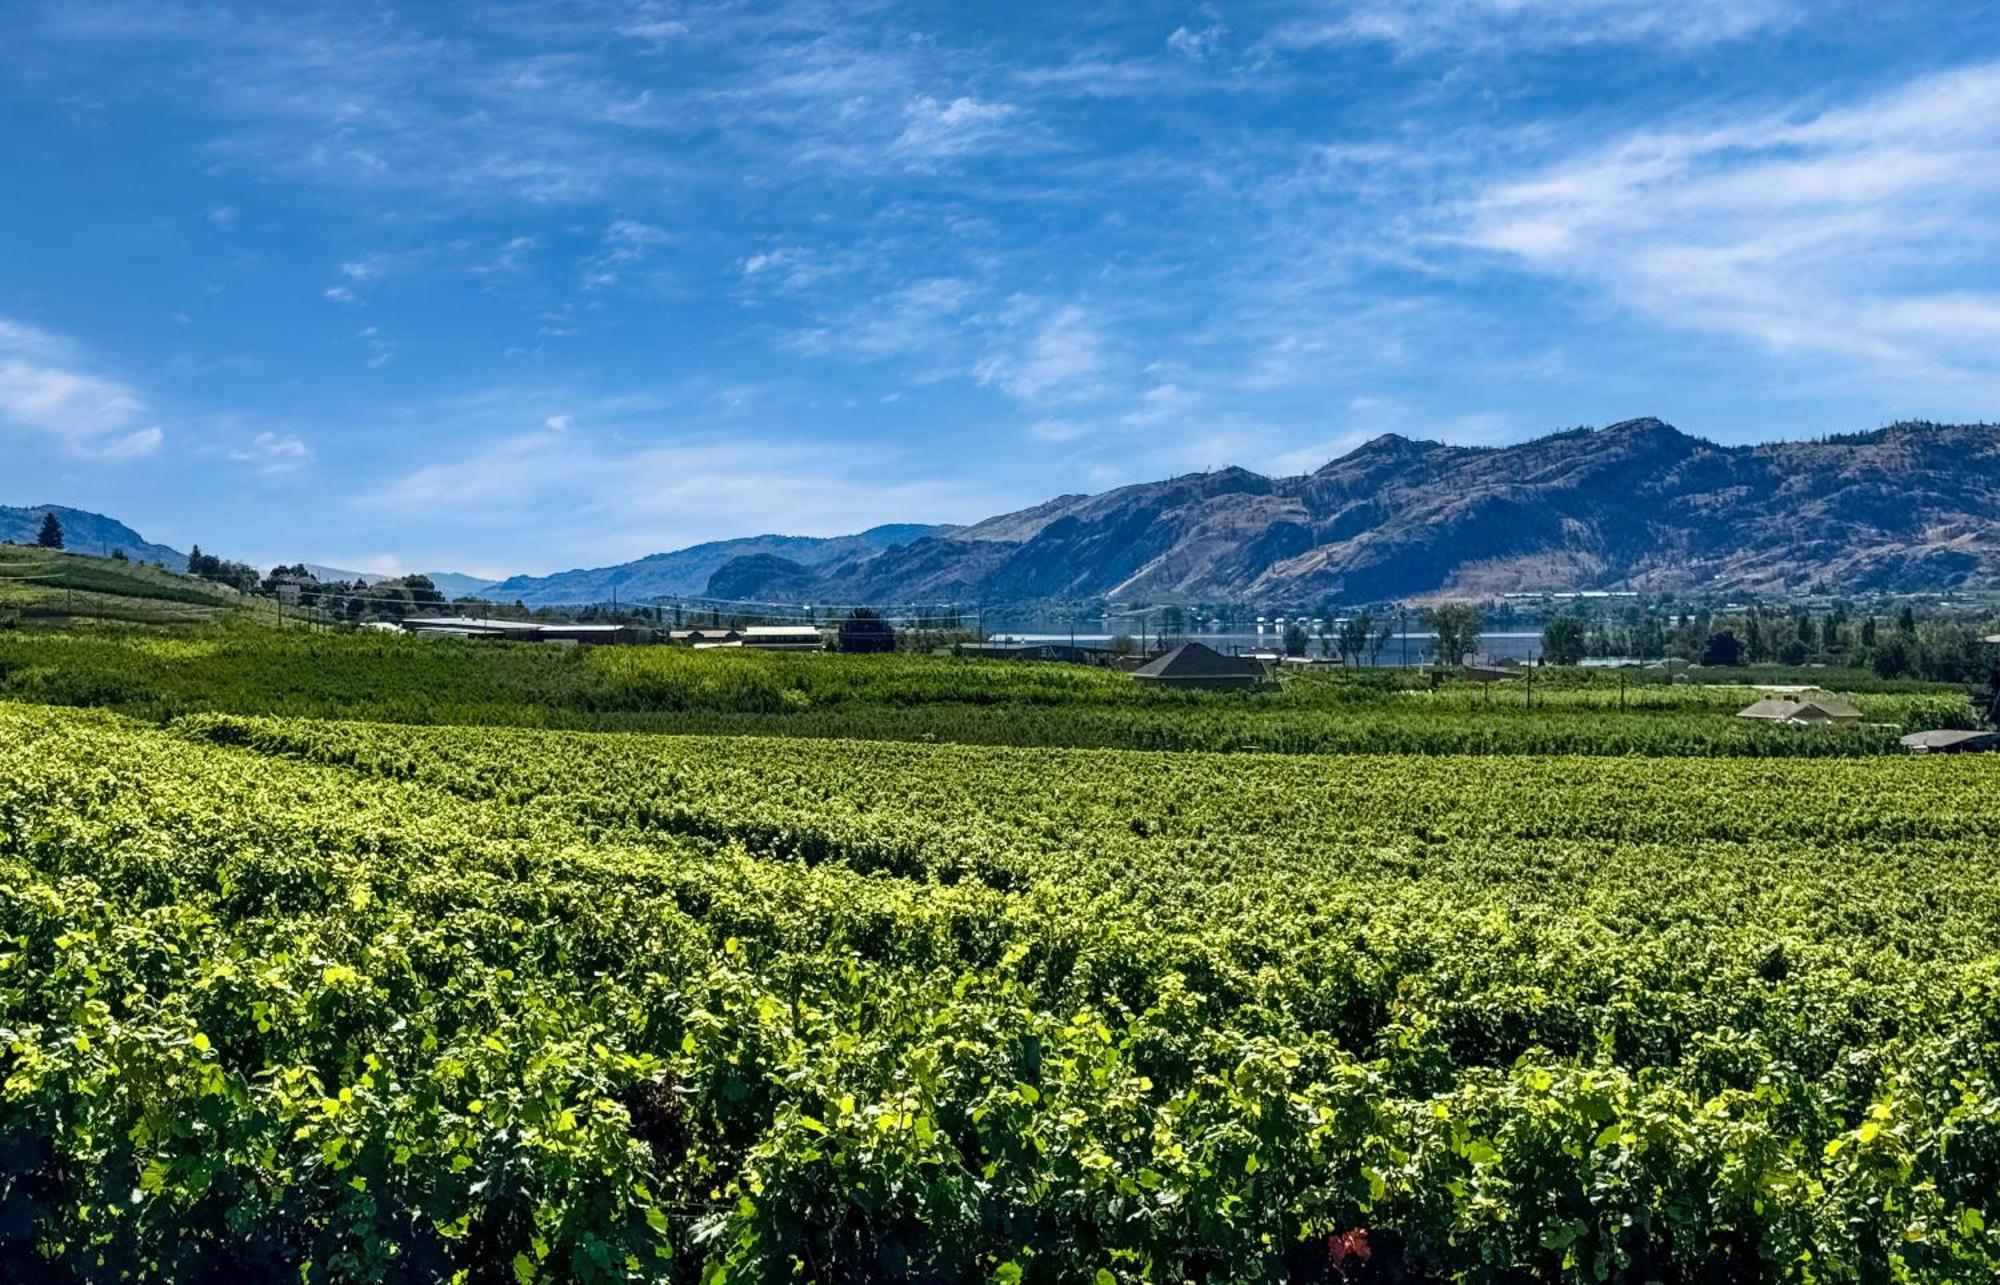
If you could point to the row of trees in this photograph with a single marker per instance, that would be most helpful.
(240, 576)
(1360, 636)
(1894, 645)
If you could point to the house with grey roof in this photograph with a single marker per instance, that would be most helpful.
(1952, 741)
(1198, 665)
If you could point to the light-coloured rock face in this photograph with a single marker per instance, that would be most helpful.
(1637, 505)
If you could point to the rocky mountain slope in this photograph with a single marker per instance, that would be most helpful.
(1636, 505)
(87, 532)
(686, 572)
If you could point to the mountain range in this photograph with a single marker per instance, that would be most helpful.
(687, 572)
(100, 536)
(1637, 505)
(86, 532)
(452, 584)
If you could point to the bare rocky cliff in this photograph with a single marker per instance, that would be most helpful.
(1636, 505)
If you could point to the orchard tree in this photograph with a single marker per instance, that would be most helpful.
(866, 631)
(1562, 640)
(1354, 633)
(1722, 649)
(1457, 625)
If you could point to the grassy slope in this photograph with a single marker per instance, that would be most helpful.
(40, 586)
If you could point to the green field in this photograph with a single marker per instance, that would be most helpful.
(350, 957)
(258, 670)
(367, 1001)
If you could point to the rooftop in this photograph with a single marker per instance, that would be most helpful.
(1952, 739)
(1198, 660)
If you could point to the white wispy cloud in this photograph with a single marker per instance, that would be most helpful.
(365, 100)
(1056, 355)
(611, 500)
(937, 130)
(48, 391)
(1198, 40)
(924, 319)
(380, 350)
(272, 453)
(626, 243)
(792, 268)
(509, 259)
(653, 24)
(1846, 232)
(1421, 26)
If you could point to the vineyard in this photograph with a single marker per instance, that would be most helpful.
(351, 1001)
(920, 698)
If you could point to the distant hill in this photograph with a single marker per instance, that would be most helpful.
(762, 577)
(452, 584)
(1636, 505)
(86, 532)
(456, 584)
(328, 574)
(686, 572)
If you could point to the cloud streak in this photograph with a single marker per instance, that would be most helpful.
(617, 499)
(1846, 233)
(47, 391)
(1420, 27)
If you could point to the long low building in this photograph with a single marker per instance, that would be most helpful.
(783, 638)
(1007, 649)
(522, 630)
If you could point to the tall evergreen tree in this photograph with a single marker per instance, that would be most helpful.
(52, 532)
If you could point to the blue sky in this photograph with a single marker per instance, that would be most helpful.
(522, 286)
